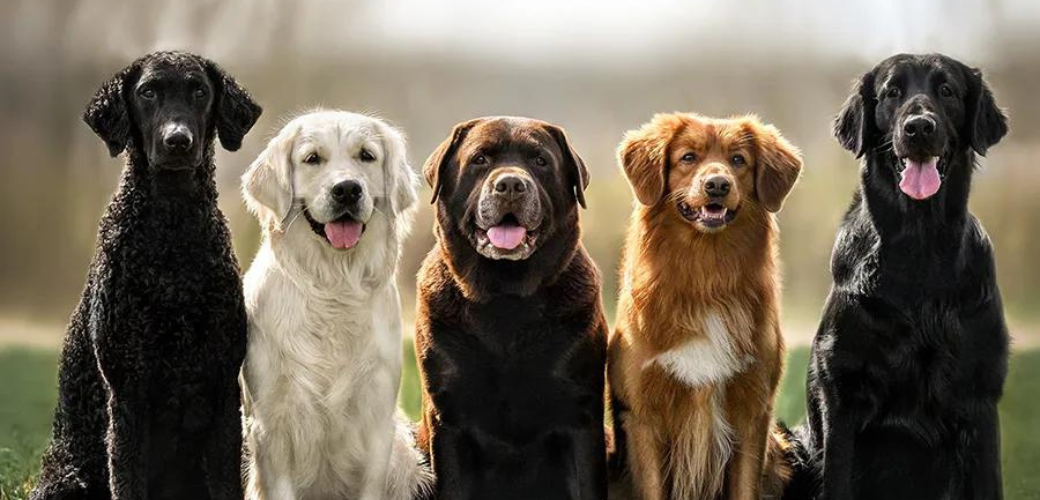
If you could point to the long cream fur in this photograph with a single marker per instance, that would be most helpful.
(322, 372)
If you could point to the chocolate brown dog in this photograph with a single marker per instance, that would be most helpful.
(510, 333)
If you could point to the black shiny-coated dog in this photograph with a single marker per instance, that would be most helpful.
(148, 394)
(510, 333)
(911, 354)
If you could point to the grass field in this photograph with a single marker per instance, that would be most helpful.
(27, 392)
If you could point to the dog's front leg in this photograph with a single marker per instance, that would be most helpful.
(589, 465)
(374, 484)
(272, 478)
(126, 435)
(126, 446)
(744, 472)
(644, 459)
(224, 448)
(452, 464)
(983, 477)
(838, 452)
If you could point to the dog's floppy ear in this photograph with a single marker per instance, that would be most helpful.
(779, 164)
(854, 125)
(235, 110)
(643, 155)
(108, 115)
(987, 123)
(433, 169)
(403, 180)
(577, 174)
(267, 184)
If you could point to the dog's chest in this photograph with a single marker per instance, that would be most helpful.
(511, 375)
(328, 348)
(322, 371)
(920, 364)
(715, 349)
(190, 294)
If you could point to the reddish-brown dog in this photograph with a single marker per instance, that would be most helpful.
(697, 352)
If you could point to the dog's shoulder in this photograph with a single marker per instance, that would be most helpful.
(578, 285)
(439, 294)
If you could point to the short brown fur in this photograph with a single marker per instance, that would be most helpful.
(675, 274)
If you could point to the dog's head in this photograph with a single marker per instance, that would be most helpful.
(918, 111)
(168, 106)
(506, 185)
(706, 172)
(341, 169)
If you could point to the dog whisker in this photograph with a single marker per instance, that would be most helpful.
(297, 216)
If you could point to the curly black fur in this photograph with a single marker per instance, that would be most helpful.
(148, 395)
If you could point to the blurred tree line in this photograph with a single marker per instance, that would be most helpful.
(57, 176)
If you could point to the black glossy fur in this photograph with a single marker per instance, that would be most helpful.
(910, 358)
(512, 353)
(148, 395)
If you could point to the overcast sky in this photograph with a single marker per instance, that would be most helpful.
(530, 31)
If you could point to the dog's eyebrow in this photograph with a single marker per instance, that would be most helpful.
(354, 134)
(745, 139)
(533, 146)
(307, 138)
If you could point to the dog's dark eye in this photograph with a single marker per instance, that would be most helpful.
(946, 90)
(739, 160)
(148, 94)
(893, 93)
(312, 159)
(479, 159)
(200, 93)
(540, 161)
(689, 157)
(366, 156)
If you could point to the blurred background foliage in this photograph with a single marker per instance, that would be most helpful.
(597, 68)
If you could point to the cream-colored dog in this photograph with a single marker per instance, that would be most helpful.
(334, 195)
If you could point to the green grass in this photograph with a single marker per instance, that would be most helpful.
(28, 388)
(1020, 428)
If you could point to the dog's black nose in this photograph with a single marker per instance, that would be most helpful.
(717, 185)
(919, 126)
(347, 192)
(510, 185)
(177, 137)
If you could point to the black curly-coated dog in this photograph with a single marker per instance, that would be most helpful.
(911, 354)
(149, 398)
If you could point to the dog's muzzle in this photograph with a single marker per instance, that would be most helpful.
(508, 216)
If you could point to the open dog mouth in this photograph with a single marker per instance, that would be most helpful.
(506, 239)
(921, 178)
(712, 215)
(342, 233)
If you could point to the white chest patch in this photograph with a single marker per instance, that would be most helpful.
(704, 360)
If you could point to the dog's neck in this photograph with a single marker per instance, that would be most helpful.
(900, 221)
(669, 251)
(314, 266)
(197, 186)
(891, 234)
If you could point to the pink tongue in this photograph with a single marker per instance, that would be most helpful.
(921, 180)
(343, 234)
(506, 237)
